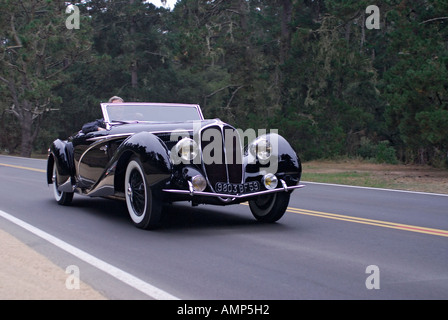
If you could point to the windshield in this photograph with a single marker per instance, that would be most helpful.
(128, 112)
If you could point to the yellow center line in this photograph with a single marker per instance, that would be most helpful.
(379, 223)
(20, 167)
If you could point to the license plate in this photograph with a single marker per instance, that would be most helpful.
(237, 188)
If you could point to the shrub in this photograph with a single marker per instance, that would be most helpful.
(380, 152)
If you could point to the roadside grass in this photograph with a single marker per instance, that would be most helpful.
(374, 175)
(362, 179)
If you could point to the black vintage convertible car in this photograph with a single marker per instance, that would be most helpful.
(153, 153)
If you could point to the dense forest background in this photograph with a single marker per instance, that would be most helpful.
(310, 68)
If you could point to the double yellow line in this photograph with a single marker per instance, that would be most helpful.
(378, 223)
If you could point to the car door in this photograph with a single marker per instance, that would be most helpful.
(91, 155)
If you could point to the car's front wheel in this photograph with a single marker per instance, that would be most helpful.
(63, 198)
(144, 209)
(271, 207)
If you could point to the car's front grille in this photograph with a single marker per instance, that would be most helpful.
(221, 154)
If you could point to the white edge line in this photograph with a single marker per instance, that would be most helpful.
(115, 272)
(380, 189)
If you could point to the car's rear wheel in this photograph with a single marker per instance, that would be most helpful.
(144, 209)
(271, 207)
(62, 198)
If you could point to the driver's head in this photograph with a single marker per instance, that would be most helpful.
(115, 99)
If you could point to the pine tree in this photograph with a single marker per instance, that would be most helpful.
(35, 51)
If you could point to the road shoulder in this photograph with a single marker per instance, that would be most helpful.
(27, 275)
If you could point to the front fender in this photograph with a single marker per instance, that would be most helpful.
(152, 153)
(289, 164)
(284, 161)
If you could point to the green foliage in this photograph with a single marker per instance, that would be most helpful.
(310, 69)
(380, 152)
(415, 85)
(36, 49)
(433, 125)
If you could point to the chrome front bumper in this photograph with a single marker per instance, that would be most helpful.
(192, 192)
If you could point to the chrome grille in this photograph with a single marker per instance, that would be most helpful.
(222, 160)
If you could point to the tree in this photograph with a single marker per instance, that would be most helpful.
(36, 49)
(415, 83)
(330, 98)
(311, 68)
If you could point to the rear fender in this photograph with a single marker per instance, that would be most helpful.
(61, 156)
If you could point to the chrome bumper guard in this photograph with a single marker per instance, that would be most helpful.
(191, 192)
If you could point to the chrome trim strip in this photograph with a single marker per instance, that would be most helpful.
(223, 147)
(120, 135)
(201, 130)
(190, 188)
(239, 152)
(284, 185)
(110, 136)
(235, 196)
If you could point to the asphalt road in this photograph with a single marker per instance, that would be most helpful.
(333, 243)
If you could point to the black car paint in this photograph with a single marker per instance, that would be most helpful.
(94, 163)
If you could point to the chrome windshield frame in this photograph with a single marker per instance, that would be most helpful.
(108, 122)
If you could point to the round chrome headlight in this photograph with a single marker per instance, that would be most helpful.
(187, 149)
(261, 148)
(199, 183)
(270, 181)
